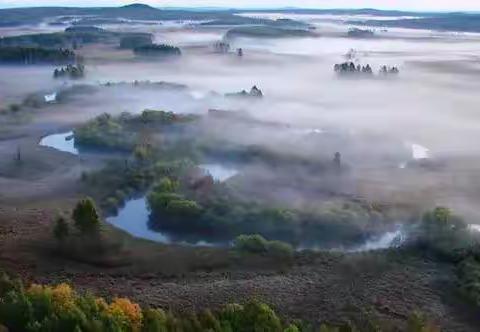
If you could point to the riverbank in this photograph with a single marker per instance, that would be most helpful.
(388, 285)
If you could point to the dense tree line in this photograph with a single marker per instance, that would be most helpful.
(36, 55)
(157, 50)
(76, 36)
(350, 68)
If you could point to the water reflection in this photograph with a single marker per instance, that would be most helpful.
(64, 142)
(133, 218)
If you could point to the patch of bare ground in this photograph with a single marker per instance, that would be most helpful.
(383, 286)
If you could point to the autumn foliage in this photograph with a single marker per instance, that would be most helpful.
(60, 309)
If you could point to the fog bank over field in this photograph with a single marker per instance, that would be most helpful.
(434, 91)
(374, 121)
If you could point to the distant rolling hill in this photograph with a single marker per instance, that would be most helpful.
(23, 16)
(458, 22)
(455, 21)
(462, 22)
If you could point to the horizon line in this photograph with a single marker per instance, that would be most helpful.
(228, 8)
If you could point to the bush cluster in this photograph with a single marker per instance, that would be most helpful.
(257, 244)
(447, 235)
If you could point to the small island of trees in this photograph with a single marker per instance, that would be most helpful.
(349, 68)
(360, 33)
(157, 50)
(70, 71)
(255, 92)
(389, 70)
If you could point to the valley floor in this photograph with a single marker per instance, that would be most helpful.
(384, 286)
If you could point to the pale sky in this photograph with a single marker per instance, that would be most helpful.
(431, 5)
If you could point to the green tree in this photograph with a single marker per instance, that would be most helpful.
(209, 322)
(154, 320)
(291, 328)
(259, 317)
(86, 217)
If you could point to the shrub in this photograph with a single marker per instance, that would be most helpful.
(61, 229)
(469, 279)
(447, 235)
(280, 249)
(255, 244)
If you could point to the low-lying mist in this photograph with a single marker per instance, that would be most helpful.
(372, 121)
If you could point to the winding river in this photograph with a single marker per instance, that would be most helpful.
(133, 217)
